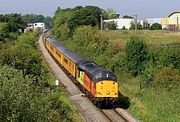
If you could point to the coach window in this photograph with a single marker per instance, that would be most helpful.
(59, 55)
(51, 47)
(65, 60)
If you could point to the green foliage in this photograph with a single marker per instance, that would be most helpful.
(32, 18)
(61, 17)
(3, 31)
(128, 17)
(14, 22)
(110, 25)
(168, 78)
(89, 15)
(109, 14)
(133, 25)
(25, 93)
(19, 97)
(167, 55)
(70, 19)
(64, 32)
(156, 26)
(23, 56)
(136, 54)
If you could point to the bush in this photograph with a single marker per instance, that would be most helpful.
(168, 78)
(110, 25)
(166, 56)
(136, 55)
(19, 97)
(156, 26)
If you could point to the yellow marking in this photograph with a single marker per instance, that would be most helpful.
(107, 89)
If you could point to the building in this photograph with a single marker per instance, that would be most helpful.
(172, 22)
(39, 25)
(35, 26)
(121, 22)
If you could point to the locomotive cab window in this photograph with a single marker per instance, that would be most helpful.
(105, 75)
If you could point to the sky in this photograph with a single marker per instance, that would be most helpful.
(142, 8)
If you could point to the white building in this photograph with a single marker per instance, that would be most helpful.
(121, 22)
(39, 25)
(124, 22)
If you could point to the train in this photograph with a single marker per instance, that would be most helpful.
(99, 84)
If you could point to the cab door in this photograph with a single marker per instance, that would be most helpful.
(80, 76)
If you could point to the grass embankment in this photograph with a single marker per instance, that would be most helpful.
(107, 48)
(27, 90)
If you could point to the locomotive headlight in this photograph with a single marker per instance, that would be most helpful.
(107, 92)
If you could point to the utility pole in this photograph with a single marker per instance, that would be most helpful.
(177, 23)
(101, 23)
(135, 24)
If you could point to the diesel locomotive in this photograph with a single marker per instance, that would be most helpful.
(95, 81)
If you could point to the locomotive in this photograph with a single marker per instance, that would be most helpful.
(95, 81)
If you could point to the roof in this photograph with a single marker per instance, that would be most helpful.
(67, 52)
(96, 72)
(174, 13)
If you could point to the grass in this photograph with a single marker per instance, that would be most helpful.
(151, 37)
(149, 105)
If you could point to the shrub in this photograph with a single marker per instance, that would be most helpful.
(110, 25)
(19, 98)
(136, 54)
(168, 78)
(156, 26)
(166, 56)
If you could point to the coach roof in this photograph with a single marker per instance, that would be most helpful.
(65, 51)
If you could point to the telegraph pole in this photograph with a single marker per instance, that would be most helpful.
(101, 23)
(135, 24)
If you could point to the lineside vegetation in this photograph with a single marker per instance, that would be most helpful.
(147, 66)
(27, 89)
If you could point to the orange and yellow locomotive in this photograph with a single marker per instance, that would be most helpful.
(94, 80)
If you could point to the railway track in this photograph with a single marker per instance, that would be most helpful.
(87, 110)
(113, 115)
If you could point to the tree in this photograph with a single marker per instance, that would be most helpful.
(89, 15)
(110, 25)
(3, 31)
(128, 17)
(48, 21)
(19, 98)
(139, 26)
(109, 14)
(15, 22)
(136, 54)
(39, 18)
(156, 26)
(29, 18)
